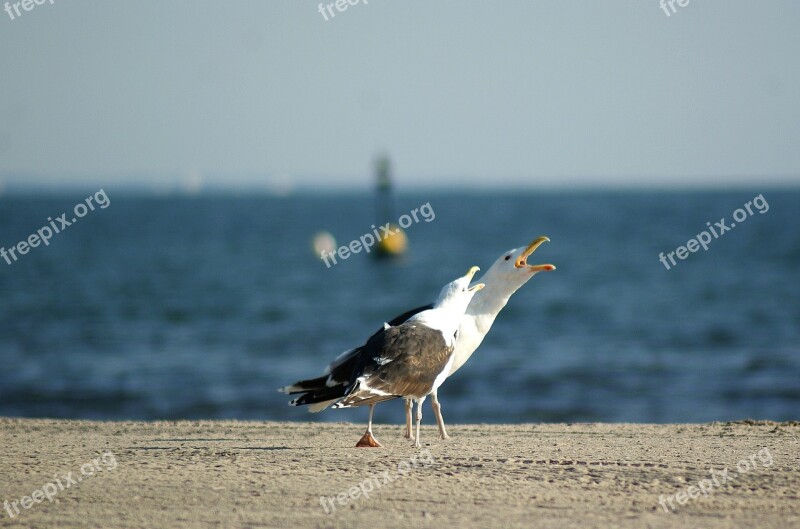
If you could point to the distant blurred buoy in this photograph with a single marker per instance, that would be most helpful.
(394, 244)
(323, 242)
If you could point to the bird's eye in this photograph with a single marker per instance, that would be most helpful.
(508, 257)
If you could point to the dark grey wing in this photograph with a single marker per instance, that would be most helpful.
(339, 374)
(401, 319)
(402, 361)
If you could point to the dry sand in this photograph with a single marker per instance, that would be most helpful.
(249, 474)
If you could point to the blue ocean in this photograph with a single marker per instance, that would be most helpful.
(189, 307)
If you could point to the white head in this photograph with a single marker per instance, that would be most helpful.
(449, 309)
(509, 272)
(456, 295)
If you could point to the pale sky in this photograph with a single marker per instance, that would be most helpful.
(486, 94)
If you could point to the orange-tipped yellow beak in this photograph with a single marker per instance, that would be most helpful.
(477, 287)
(522, 260)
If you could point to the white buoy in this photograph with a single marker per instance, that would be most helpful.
(323, 242)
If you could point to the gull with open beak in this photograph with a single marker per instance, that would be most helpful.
(508, 273)
(410, 360)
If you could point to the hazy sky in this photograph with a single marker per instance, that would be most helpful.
(483, 93)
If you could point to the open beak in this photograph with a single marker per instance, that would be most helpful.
(522, 260)
(470, 275)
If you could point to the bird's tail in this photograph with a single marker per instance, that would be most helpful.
(302, 386)
(318, 400)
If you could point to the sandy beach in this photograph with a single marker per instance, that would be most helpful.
(58, 473)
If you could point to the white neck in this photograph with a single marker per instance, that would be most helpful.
(487, 304)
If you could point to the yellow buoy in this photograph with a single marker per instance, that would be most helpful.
(394, 244)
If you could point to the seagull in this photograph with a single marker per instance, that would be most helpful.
(409, 360)
(508, 273)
